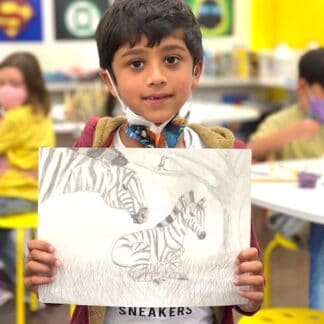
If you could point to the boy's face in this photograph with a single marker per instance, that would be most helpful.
(155, 82)
(306, 90)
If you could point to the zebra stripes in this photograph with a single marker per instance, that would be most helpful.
(154, 254)
(65, 170)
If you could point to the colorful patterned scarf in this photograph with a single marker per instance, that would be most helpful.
(168, 138)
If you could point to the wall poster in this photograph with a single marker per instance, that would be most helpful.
(215, 16)
(20, 20)
(138, 227)
(78, 19)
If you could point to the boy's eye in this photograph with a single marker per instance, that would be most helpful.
(137, 64)
(171, 60)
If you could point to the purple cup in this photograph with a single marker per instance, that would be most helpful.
(307, 179)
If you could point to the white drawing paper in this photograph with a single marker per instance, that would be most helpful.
(141, 227)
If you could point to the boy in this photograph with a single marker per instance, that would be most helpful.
(151, 58)
(294, 133)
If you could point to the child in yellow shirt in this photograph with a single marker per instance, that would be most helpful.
(24, 127)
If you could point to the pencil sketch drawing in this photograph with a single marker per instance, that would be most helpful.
(154, 254)
(191, 215)
(94, 170)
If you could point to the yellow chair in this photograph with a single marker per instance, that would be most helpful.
(20, 223)
(278, 240)
(280, 315)
(284, 316)
(72, 309)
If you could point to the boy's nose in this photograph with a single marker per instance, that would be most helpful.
(156, 75)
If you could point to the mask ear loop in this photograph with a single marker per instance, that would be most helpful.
(115, 90)
(194, 70)
(186, 108)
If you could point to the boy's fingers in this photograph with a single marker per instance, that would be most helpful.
(251, 266)
(248, 255)
(40, 245)
(255, 296)
(43, 257)
(255, 281)
(36, 267)
(32, 281)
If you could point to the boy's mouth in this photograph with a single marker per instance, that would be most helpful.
(157, 97)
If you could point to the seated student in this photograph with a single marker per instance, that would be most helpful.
(87, 102)
(24, 127)
(151, 64)
(297, 132)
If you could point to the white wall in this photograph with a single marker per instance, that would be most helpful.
(62, 55)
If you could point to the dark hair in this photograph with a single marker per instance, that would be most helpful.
(311, 66)
(28, 64)
(128, 20)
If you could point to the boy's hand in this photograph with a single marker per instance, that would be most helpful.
(40, 265)
(250, 273)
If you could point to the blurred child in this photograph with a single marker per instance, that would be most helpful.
(297, 132)
(87, 102)
(24, 127)
(151, 64)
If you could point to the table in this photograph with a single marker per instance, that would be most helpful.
(211, 114)
(274, 185)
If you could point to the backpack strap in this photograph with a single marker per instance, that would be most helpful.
(86, 138)
(105, 130)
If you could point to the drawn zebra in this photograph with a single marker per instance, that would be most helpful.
(154, 254)
(67, 170)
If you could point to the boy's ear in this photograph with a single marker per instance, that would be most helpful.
(198, 68)
(302, 87)
(106, 82)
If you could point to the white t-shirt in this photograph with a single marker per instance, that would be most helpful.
(167, 315)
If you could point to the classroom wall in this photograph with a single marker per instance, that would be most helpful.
(294, 22)
(62, 55)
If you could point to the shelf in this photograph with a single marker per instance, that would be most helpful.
(205, 82)
(70, 85)
(68, 127)
(227, 82)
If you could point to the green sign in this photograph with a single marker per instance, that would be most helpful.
(78, 19)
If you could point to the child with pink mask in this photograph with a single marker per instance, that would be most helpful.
(297, 132)
(24, 127)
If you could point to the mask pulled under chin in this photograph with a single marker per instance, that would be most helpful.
(12, 97)
(134, 119)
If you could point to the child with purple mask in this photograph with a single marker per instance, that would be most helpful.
(297, 132)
